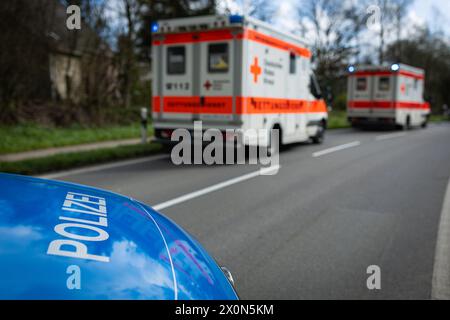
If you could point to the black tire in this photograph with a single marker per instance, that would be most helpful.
(167, 148)
(408, 123)
(424, 123)
(320, 135)
(275, 146)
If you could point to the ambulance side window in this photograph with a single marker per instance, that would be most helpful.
(361, 84)
(383, 84)
(218, 58)
(292, 62)
(176, 60)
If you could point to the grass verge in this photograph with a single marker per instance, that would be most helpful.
(337, 119)
(438, 118)
(26, 137)
(78, 159)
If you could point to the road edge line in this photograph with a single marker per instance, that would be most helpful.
(441, 270)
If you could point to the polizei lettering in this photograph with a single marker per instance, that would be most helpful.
(77, 233)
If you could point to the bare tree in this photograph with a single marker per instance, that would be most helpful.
(392, 14)
(335, 27)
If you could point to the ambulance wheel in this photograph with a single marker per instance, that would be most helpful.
(424, 123)
(167, 148)
(318, 138)
(408, 123)
(276, 145)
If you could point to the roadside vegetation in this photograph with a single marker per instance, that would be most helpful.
(78, 159)
(26, 137)
(337, 119)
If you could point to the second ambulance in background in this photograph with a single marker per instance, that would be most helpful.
(387, 94)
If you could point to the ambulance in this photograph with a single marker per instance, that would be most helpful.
(234, 72)
(387, 94)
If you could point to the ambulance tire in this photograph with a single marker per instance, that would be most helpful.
(275, 146)
(408, 123)
(318, 138)
(424, 123)
(167, 148)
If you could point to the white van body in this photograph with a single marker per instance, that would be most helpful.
(233, 72)
(387, 94)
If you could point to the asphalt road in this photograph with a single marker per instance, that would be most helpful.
(311, 230)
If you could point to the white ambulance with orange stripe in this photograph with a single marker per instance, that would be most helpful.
(387, 94)
(234, 72)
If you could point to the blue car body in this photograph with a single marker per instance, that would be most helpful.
(66, 241)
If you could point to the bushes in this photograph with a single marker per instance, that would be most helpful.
(340, 103)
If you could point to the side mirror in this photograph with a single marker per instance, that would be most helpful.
(228, 274)
(314, 87)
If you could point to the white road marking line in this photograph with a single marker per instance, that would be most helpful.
(215, 187)
(102, 167)
(441, 270)
(389, 136)
(336, 148)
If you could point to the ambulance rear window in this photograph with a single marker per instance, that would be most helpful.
(361, 84)
(383, 84)
(218, 57)
(176, 60)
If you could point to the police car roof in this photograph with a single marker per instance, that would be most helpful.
(67, 241)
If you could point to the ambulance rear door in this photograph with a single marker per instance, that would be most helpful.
(384, 94)
(215, 84)
(361, 93)
(175, 76)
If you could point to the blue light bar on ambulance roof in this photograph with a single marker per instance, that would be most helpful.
(235, 18)
(155, 27)
(395, 67)
(351, 69)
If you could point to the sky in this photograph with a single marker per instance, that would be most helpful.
(435, 13)
(432, 13)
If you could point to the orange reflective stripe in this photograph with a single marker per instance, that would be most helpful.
(274, 42)
(386, 74)
(244, 105)
(216, 105)
(318, 106)
(227, 34)
(257, 105)
(156, 104)
(388, 105)
(191, 37)
(412, 105)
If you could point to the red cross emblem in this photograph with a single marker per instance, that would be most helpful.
(403, 88)
(255, 70)
(207, 85)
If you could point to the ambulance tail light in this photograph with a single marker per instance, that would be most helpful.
(166, 133)
(235, 18)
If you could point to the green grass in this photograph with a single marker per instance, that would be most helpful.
(438, 118)
(28, 137)
(78, 159)
(337, 119)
